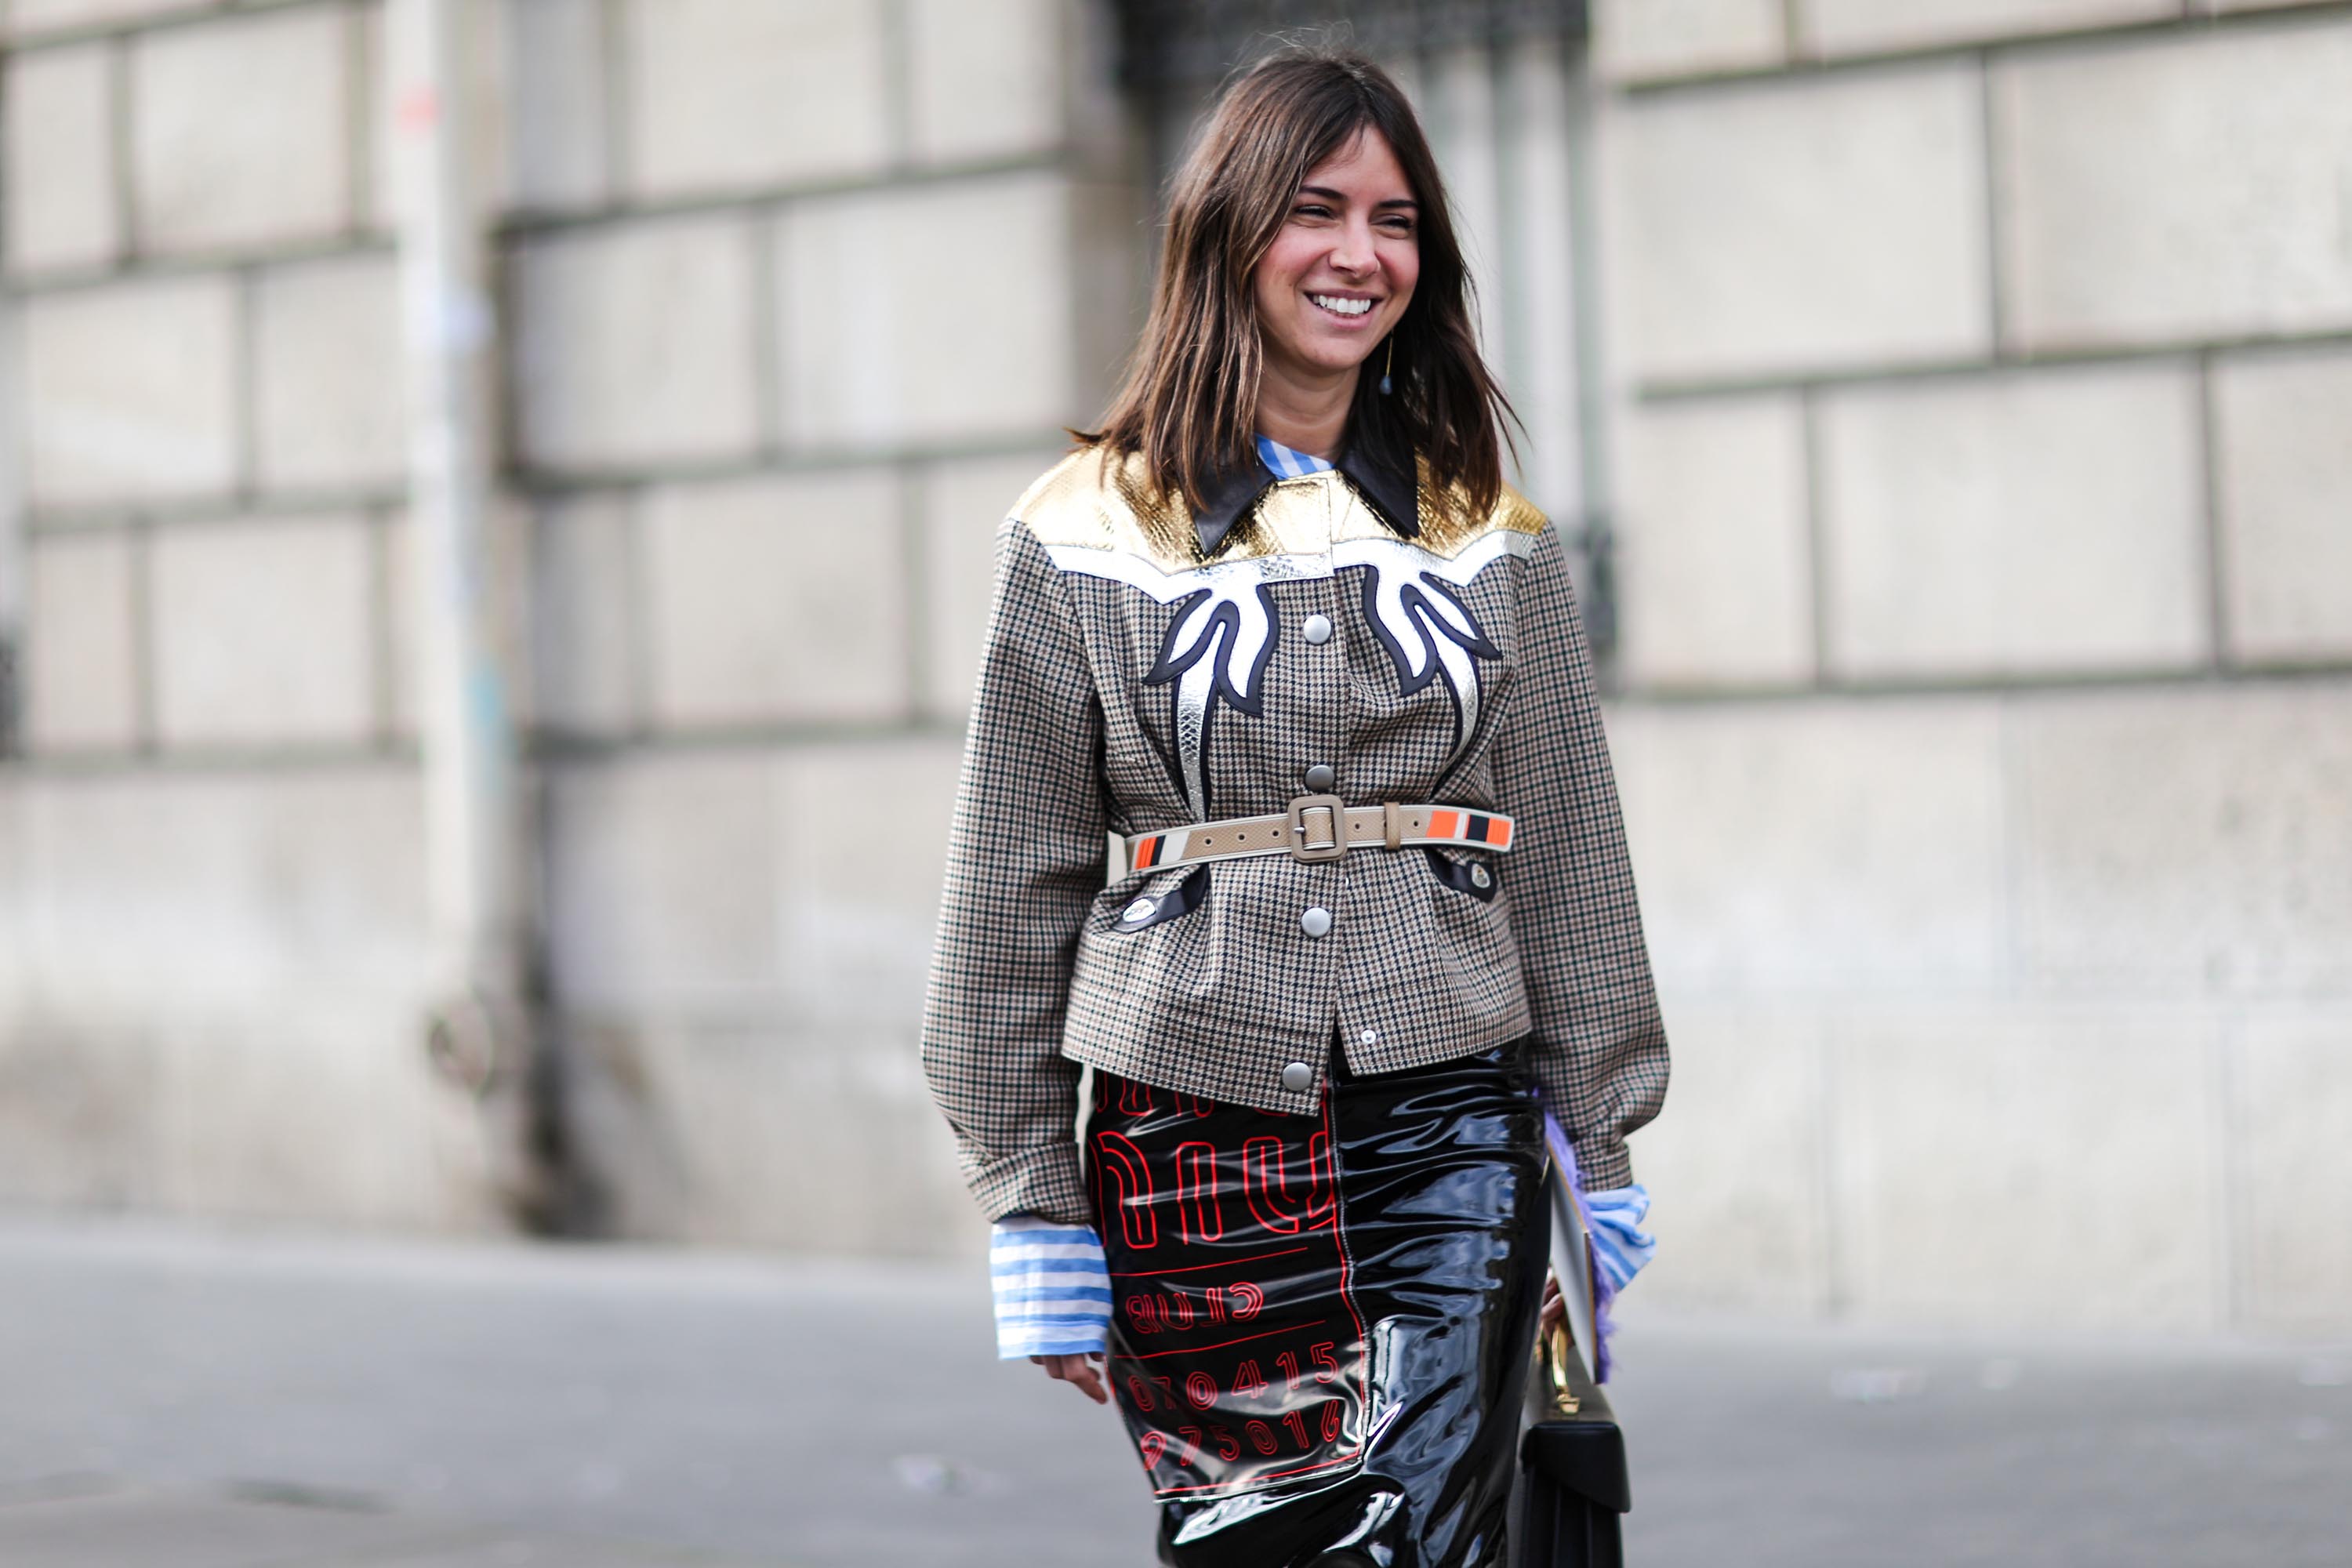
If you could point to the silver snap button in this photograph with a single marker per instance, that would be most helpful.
(1320, 777)
(1297, 1078)
(1316, 921)
(1480, 875)
(1141, 910)
(1370, 1037)
(1316, 629)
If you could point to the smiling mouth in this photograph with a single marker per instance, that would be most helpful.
(1345, 309)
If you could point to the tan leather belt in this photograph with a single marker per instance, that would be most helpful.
(1317, 828)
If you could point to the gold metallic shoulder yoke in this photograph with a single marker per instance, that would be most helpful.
(1449, 524)
(1098, 498)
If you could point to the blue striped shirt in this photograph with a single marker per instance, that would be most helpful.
(1288, 464)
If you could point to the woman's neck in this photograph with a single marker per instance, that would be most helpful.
(1306, 414)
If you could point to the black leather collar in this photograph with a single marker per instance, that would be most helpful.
(1381, 475)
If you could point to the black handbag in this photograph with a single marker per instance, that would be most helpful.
(1572, 1486)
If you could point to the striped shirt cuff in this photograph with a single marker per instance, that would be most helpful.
(1053, 1288)
(1620, 1245)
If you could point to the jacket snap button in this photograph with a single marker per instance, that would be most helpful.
(1480, 875)
(1370, 1037)
(1297, 1078)
(1141, 910)
(1316, 629)
(1316, 921)
(1320, 777)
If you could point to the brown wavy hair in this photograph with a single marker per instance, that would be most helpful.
(1188, 402)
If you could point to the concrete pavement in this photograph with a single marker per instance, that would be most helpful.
(190, 1395)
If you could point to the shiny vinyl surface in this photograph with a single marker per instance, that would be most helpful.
(1322, 1323)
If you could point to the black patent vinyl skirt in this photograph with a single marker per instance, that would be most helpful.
(1321, 1323)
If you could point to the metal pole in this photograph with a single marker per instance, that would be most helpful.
(477, 1026)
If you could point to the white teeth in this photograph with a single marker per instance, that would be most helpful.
(1339, 306)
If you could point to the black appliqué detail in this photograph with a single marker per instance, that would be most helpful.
(1432, 628)
(1473, 877)
(1195, 662)
(1222, 623)
(1180, 900)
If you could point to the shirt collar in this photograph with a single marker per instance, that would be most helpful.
(1381, 475)
(1288, 463)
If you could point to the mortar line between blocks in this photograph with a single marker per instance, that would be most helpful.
(637, 632)
(2211, 507)
(1995, 195)
(1813, 63)
(123, 176)
(384, 638)
(898, 82)
(363, 95)
(1818, 575)
(145, 724)
(915, 481)
(612, 46)
(766, 334)
(244, 392)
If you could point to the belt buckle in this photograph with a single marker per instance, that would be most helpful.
(1299, 848)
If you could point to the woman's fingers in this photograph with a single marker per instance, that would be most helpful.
(1085, 1371)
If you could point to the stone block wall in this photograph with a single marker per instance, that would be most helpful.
(784, 352)
(1983, 376)
(211, 899)
(796, 298)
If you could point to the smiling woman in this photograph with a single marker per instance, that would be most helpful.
(1281, 623)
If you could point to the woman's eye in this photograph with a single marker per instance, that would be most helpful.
(1310, 209)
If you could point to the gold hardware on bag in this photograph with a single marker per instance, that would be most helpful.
(1557, 1350)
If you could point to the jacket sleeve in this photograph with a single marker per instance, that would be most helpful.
(1025, 858)
(1600, 1044)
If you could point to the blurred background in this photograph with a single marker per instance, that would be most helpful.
(498, 498)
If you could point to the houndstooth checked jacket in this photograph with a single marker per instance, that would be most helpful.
(1148, 667)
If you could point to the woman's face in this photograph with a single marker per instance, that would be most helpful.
(1341, 269)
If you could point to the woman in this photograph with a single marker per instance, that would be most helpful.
(1281, 631)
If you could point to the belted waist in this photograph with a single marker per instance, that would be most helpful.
(1319, 827)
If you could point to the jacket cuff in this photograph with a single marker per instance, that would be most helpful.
(1603, 1166)
(1052, 1287)
(1044, 1182)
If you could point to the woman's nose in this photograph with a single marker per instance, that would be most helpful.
(1354, 252)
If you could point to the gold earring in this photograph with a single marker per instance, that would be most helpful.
(1387, 385)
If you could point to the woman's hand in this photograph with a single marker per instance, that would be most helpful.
(1553, 1312)
(1083, 1371)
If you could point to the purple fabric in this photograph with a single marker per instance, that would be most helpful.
(1603, 1293)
